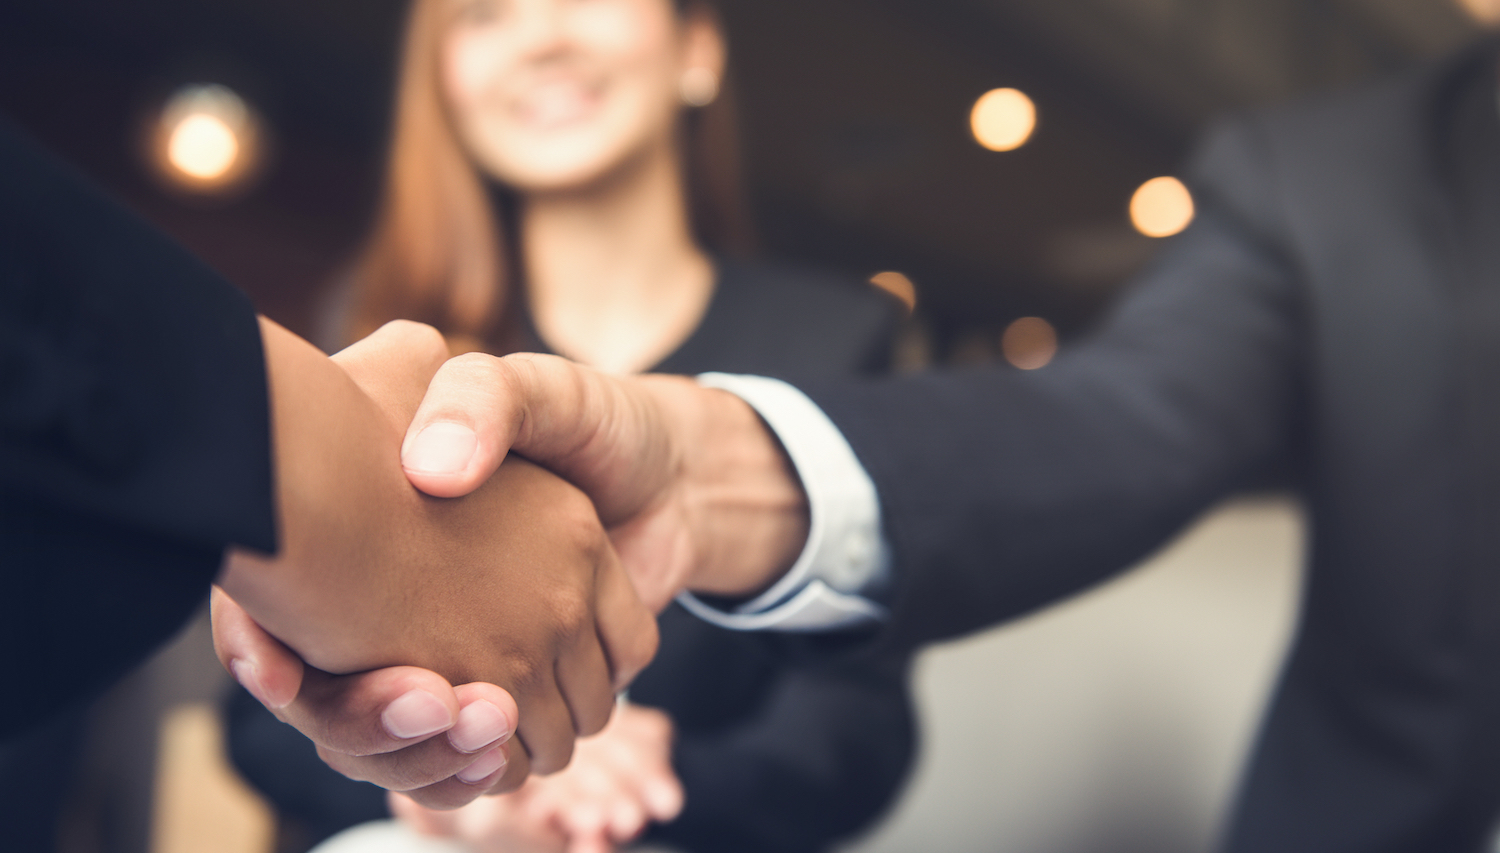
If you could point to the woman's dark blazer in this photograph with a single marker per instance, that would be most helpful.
(1334, 308)
(776, 752)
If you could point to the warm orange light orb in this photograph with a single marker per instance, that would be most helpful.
(897, 285)
(1161, 207)
(1003, 119)
(203, 147)
(1029, 343)
(1484, 11)
(206, 139)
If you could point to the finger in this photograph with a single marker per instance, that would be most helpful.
(626, 820)
(443, 793)
(420, 818)
(626, 628)
(466, 423)
(487, 717)
(652, 788)
(437, 771)
(373, 713)
(259, 662)
(605, 805)
(588, 427)
(394, 364)
(663, 795)
(594, 840)
(583, 678)
(547, 729)
(503, 825)
(622, 798)
(592, 800)
(639, 749)
(517, 769)
(586, 813)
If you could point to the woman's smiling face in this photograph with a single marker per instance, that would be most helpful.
(554, 95)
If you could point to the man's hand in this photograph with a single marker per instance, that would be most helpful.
(516, 585)
(620, 780)
(697, 492)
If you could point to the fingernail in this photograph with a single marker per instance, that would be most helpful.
(248, 675)
(441, 448)
(483, 767)
(478, 726)
(416, 714)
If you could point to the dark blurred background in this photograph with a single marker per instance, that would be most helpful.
(855, 115)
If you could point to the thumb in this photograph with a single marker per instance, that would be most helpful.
(475, 409)
(604, 434)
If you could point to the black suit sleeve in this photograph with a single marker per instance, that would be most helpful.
(134, 433)
(1004, 490)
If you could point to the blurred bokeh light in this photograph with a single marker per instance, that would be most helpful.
(1486, 11)
(207, 139)
(898, 285)
(1029, 343)
(1161, 207)
(1003, 119)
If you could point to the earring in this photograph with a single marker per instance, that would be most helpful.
(698, 87)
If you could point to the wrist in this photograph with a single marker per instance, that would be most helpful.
(745, 505)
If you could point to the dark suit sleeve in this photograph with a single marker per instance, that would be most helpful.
(1004, 490)
(134, 433)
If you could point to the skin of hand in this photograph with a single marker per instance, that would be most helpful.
(620, 779)
(516, 585)
(696, 490)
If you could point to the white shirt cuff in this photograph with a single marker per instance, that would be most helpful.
(846, 556)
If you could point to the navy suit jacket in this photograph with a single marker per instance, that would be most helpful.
(1334, 310)
(134, 434)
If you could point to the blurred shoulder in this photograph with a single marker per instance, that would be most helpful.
(791, 322)
(1387, 129)
(795, 283)
(1331, 169)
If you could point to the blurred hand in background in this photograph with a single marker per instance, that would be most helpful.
(619, 781)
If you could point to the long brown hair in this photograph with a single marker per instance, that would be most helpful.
(441, 251)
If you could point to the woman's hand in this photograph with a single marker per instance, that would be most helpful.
(620, 780)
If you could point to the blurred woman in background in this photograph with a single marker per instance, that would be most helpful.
(563, 177)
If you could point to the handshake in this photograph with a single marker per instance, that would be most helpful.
(472, 550)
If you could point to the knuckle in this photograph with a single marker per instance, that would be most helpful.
(474, 382)
(526, 673)
(572, 610)
(417, 335)
(579, 523)
(475, 368)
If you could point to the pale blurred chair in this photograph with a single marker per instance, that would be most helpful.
(1116, 722)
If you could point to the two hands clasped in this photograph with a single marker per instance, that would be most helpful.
(448, 642)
